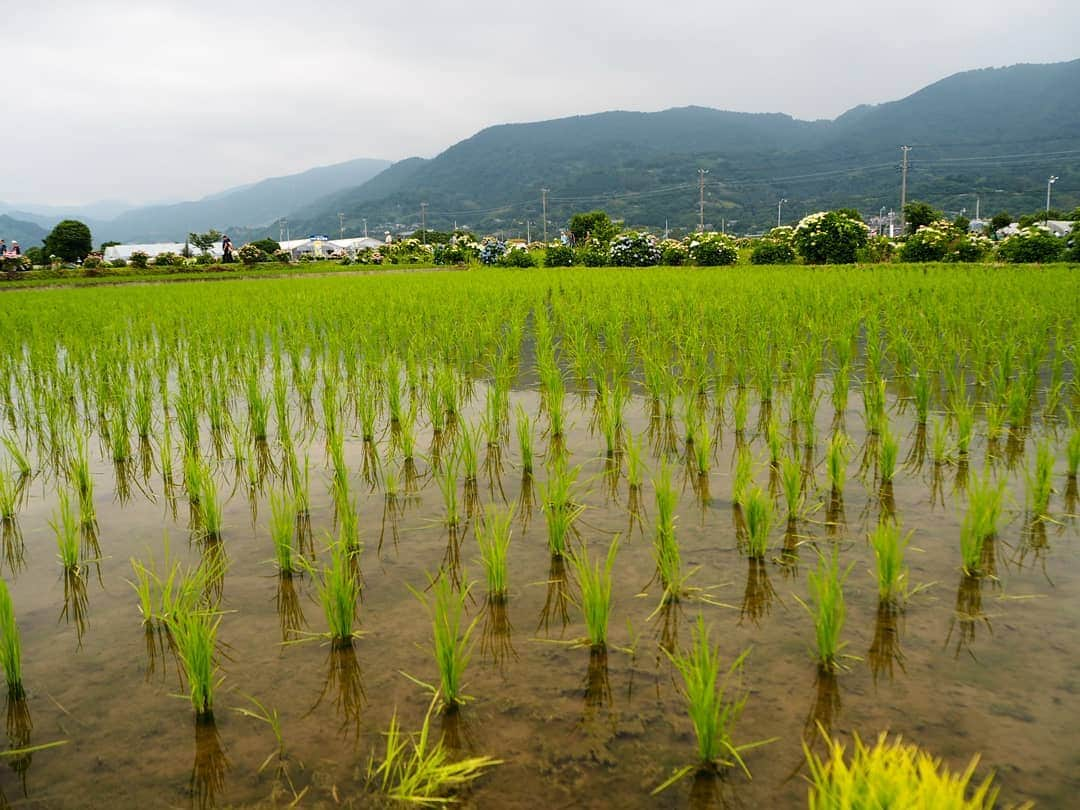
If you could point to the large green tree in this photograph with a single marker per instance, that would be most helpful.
(70, 240)
(918, 214)
(594, 224)
(204, 241)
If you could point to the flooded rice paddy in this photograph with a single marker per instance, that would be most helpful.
(969, 664)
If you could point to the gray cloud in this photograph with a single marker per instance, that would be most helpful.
(171, 100)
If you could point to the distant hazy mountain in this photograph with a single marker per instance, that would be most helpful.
(253, 204)
(27, 234)
(993, 132)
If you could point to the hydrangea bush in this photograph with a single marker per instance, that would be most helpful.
(635, 249)
(713, 250)
(1035, 244)
(673, 253)
(830, 237)
(491, 250)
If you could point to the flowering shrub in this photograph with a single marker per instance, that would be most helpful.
(93, 262)
(12, 264)
(772, 251)
(558, 255)
(969, 247)
(594, 253)
(166, 259)
(409, 251)
(635, 249)
(369, 256)
(830, 237)
(878, 249)
(517, 256)
(930, 242)
(118, 263)
(713, 250)
(139, 259)
(450, 253)
(783, 233)
(491, 250)
(252, 254)
(282, 256)
(673, 253)
(1032, 244)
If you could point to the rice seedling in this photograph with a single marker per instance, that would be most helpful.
(741, 410)
(826, 586)
(1072, 453)
(714, 702)
(594, 584)
(922, 390)
(940, 442)
(447, 479)
(743, 476)
(17, 456)
(10, 645)
(65, 525)
(451, 638)
(892, 574)
(635, 461)
(892, 774)
(339, 591)
(195, 635)
(836, 461)
(964, 414)
(980, 524)
(493, 537)
(665, 542)
(418, 769)
(525, 439)
(9, 495)
(210, 504)
(888, 452)
(282, 533)
(702, 448)
(791, 478)
(759, 519)
(557, 502)
(468, 449)
(1040, 481)
(775, 439)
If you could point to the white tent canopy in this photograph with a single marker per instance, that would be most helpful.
(114, 252)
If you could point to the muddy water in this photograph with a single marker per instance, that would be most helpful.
(999, 675)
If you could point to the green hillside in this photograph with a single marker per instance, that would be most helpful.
(996, 133)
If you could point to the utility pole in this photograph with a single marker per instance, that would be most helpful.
(903, 186)
(341, 223)
(1050, 182)
(779, 206)
(701, 200)
(543, 202)
(365, 228)
(528, 232)
(423, 222)
(281, 230)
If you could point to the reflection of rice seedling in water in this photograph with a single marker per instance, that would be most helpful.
(210, 764)
(759, 518)
(1072, 453)
(981, 521)
(1041, 480)
(713, 711)
(594, 584)
(905, 774)
(195, 635)
(940, 442)
(885, 653)
(744, 473)
(338, 592)
(826, 586)
(758, 594)
(451, 640)
(493, 536)
(10, 645)
(419, 770)
(892, 574)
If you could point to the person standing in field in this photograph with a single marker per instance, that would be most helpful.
(15, 248)
(226, 250)
(3, 247)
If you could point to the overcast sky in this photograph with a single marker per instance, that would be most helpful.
(153, 100)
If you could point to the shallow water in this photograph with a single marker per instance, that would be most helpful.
(999, 676)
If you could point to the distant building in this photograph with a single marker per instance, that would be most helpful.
(322, 247)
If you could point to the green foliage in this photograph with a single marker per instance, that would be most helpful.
(451, 638)
(892, 574)
(339, 591)
(195, 636)
(673, 253)
(70, 240)
(759, 519)
(830, 237)
(634, 249)
(252, 254)
(517, 256)
(493, 536)
(980, 524)
(826, 586)
(205, 241)
(266, 245)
